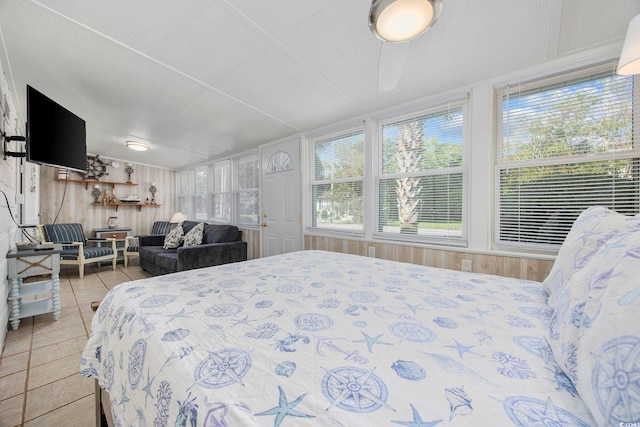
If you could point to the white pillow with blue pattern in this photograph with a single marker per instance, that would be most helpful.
(174, 238)
(194, 236)
(594, 332)
(594, 227)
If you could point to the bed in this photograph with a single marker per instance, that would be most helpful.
(317, 338)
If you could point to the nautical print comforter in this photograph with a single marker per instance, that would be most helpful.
(318, 338)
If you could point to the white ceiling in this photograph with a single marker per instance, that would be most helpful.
(200, 79)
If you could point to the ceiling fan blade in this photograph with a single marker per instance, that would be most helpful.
(390, 65)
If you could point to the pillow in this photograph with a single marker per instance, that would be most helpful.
(174, 238)
(194, 236)
(594, 333)
(589, 232)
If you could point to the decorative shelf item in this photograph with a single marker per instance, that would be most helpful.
(152, 190)
(129, 171)
(96, 168)
(96, 193)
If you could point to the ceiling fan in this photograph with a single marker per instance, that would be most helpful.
(396, 22)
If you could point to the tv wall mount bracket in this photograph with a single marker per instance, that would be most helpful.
(10, 139)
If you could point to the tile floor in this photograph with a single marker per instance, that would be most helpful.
(40, 384)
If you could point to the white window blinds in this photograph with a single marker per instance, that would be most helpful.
(200, 193)
(221, 194)
(563, 146)
(337, 199)
(248, 190)
(421, 176)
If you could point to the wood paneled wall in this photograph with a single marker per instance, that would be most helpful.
(78, 207)
(521, 268)
(252, 237)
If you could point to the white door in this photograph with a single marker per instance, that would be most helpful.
(281, 220)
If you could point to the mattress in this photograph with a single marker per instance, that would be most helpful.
(317, 338)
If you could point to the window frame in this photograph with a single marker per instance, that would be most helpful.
(541, 84)
(434, 109)
(228, 191)
(235, 185)
(327, 137)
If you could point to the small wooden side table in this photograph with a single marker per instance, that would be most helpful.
(23, 263)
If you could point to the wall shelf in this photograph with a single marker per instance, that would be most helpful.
(118, 204)
(86, 182)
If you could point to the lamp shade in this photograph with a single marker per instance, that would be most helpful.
(402, 20)
(629, 63)
(177, 218)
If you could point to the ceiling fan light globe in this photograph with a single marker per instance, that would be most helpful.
(402, 20)
(137, 146)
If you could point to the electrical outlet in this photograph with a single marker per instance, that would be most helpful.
(371, 251)
(465, 265)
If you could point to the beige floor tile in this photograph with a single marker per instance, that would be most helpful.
(54, 349)
(57, 394)
(12, 364)
(19, 341)
(53, 371)
(12, 385)
(11, 411)
(76, 414)
(58, 335)
(59, 350)
(67, 318)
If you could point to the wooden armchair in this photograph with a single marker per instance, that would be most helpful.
(75, 249)
(132, 245)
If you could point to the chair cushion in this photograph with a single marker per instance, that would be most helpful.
(61, 233)
(97, 252)
(219, 233)
(160, 227)
(194, 236)
(71, 253)
(174, 238)
(133, 248)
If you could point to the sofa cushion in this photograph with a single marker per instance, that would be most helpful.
(149, 253)
(167, 260)
(194, 236)
(174, 238)
(219, 233)
(187, 226)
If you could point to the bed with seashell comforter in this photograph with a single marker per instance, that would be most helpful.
(316, 338)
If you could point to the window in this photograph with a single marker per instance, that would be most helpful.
(183, 193)
(421, 176)
(248, 190)
(200, 193)
(336, 190)
(563, 145)
(221, 194)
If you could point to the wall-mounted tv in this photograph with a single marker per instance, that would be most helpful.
(55, 136)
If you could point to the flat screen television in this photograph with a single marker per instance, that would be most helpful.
(55, 136)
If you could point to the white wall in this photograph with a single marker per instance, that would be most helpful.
(9, 175)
